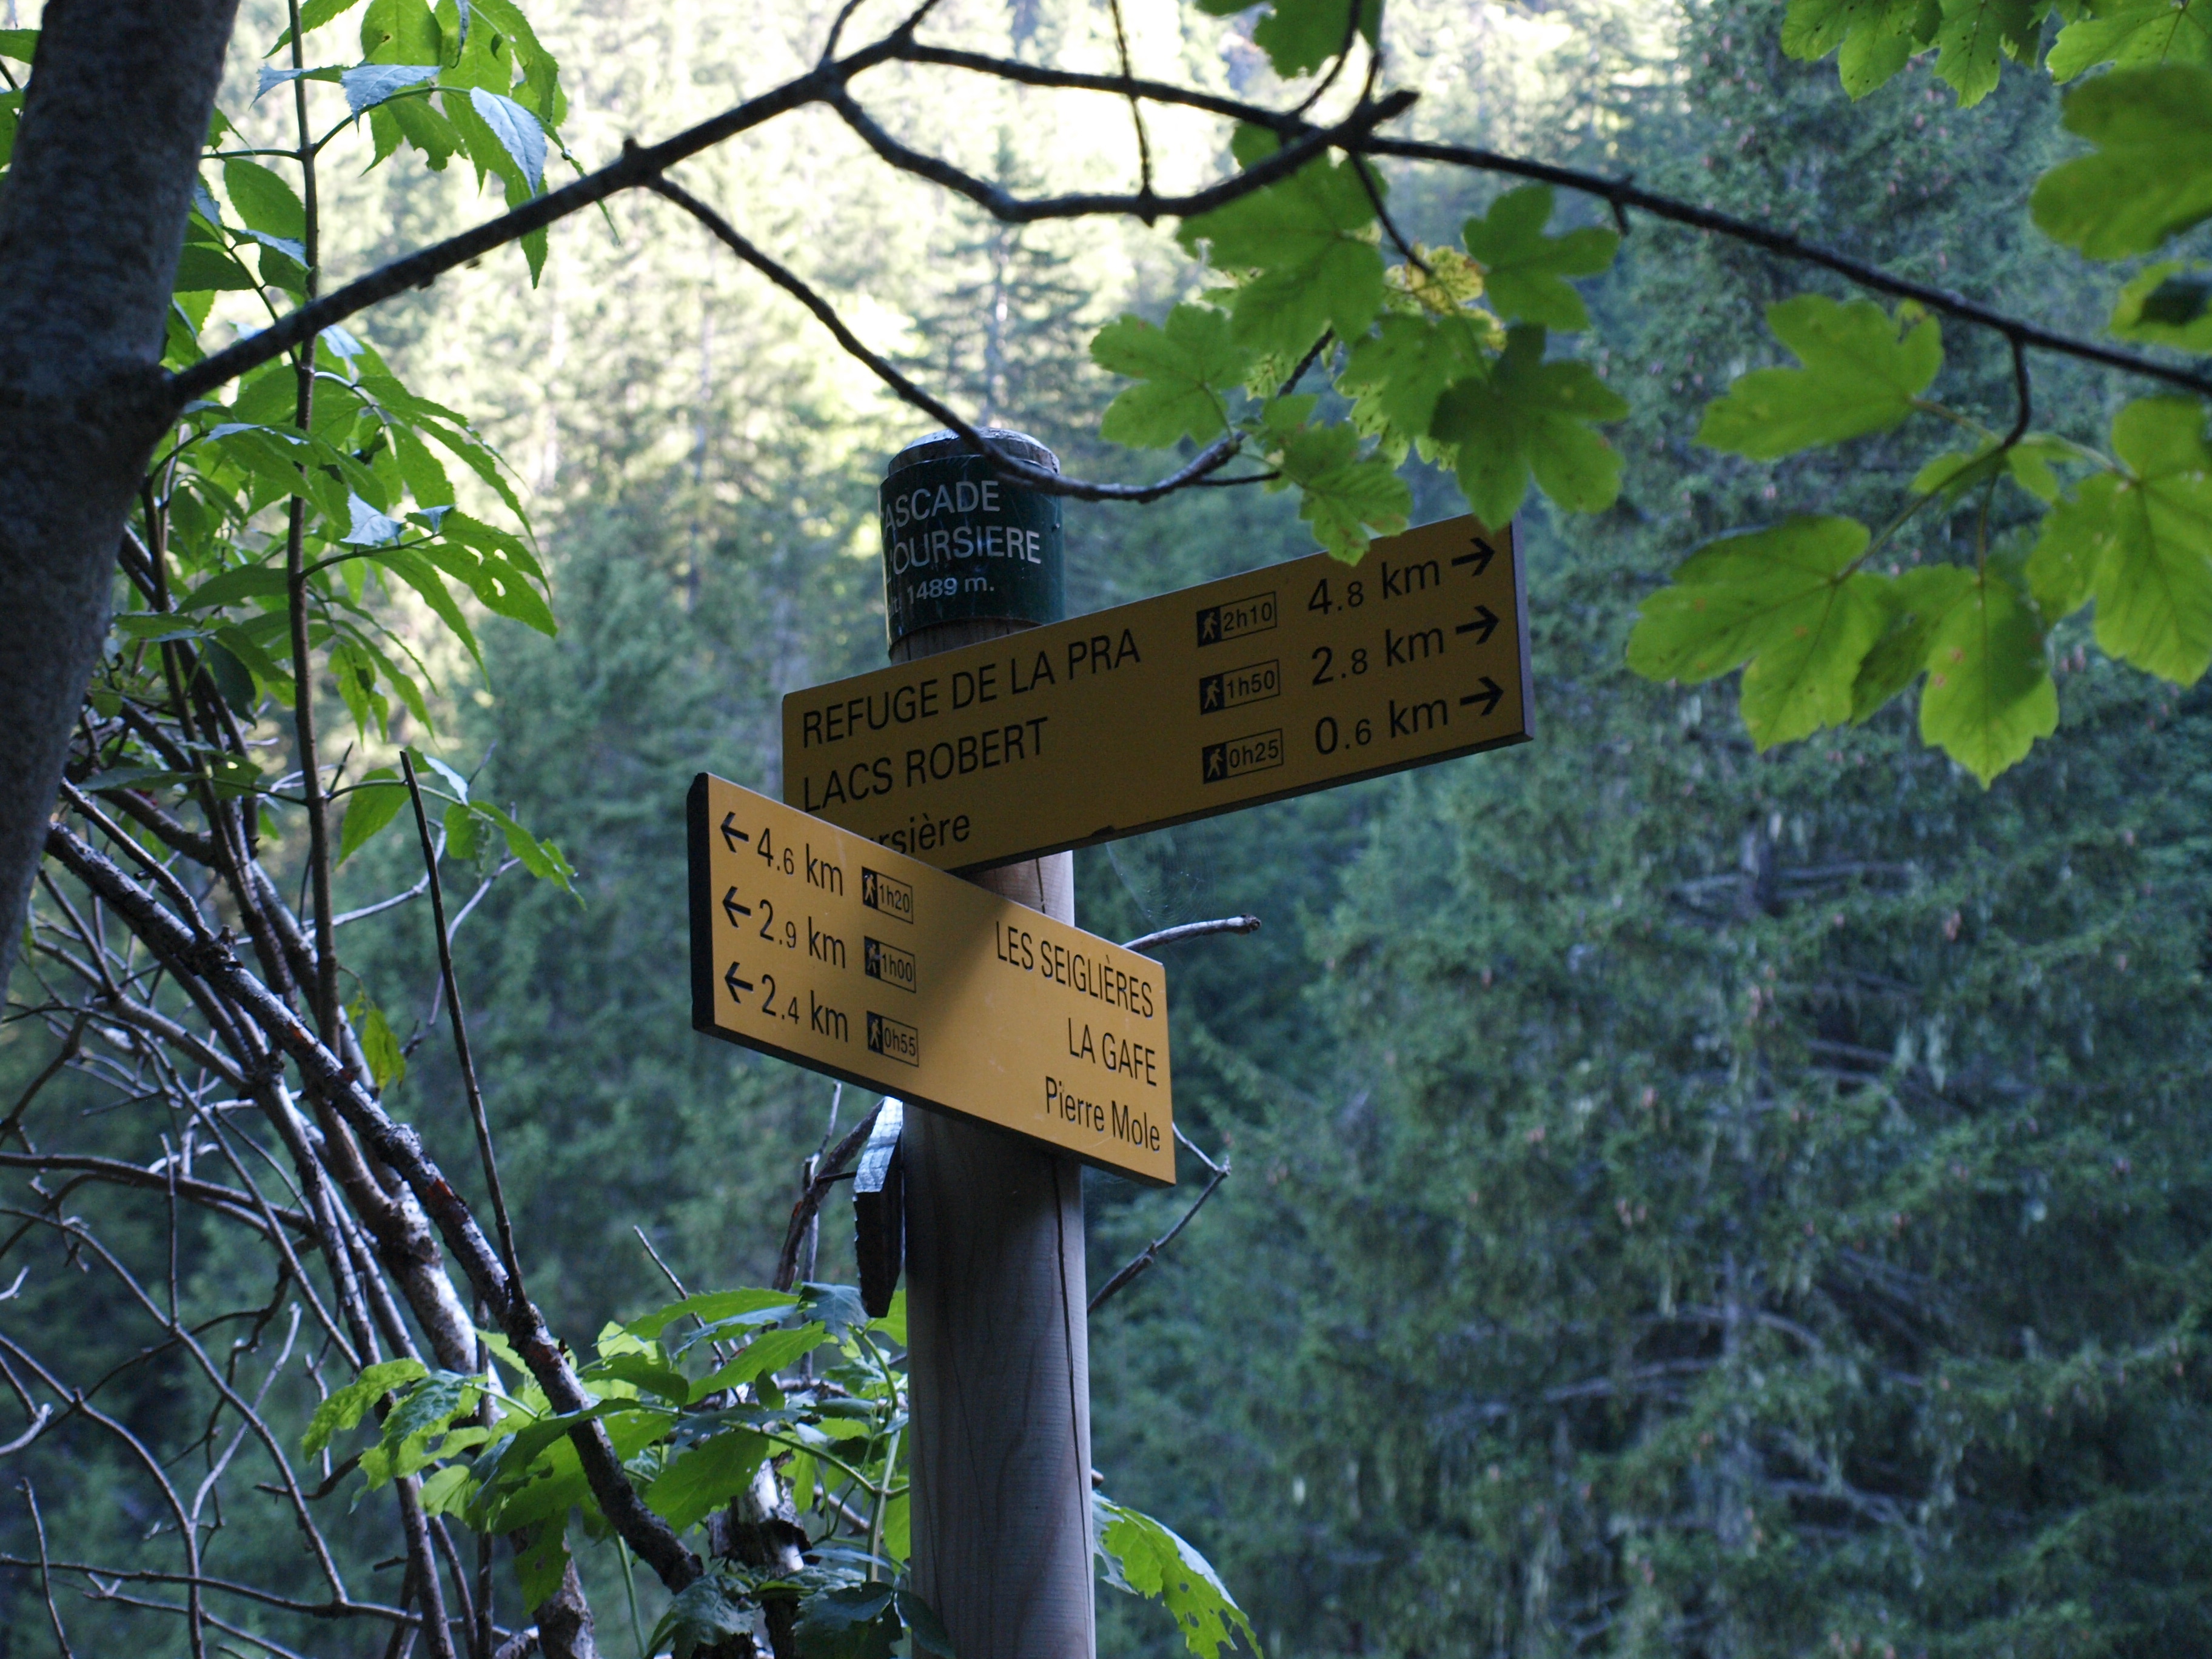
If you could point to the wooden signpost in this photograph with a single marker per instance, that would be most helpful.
(826, 931)
(813, 945)
(1283, 680)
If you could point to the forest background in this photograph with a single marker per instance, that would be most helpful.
(1686, 1201)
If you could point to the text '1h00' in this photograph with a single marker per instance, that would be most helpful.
(817, 946)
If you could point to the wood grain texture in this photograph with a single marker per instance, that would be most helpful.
(1000, 1355)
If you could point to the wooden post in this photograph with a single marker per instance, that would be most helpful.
(1000, 1358)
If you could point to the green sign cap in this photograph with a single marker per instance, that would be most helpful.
(962, 543)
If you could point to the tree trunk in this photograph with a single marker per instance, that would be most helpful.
(92, 215)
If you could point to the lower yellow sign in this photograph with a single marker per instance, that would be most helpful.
(825, 949)
(1297, 677)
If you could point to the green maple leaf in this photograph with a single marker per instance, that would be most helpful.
(1310, 242)
(1142, 1556)
(1299, 36)
(1860, 375)
(1184, 371)
(1524, 270)
(2132, 33)
(1873, 39)
(2169, 303)
(2139, 541)
(1786, 604)
(2151, 177)
(1976, 36)
(1988, 695)
(1915, 602)
(1396, 374)
(2028, 463)
(1349, 498)
(1528, 416)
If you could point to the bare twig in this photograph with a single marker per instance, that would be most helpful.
(475, 1092)
(1136, 110)
(2022, 396)
(39, 1419)
(1150, 1254)
(46, 1575)
(1193, 930)
(666, 1272)
(238, 1206)
(1373, 187)
(401, 1149)
(348, 1608)
(1212, 457)
(378, 909)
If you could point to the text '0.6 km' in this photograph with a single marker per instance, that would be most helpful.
(1287, 679)
(825, 949)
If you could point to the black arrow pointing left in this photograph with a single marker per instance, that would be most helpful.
(1490, 696)
(733, 909)
(731, 834)
(738, 987)
(1484, 625)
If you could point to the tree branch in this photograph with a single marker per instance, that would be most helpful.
(401, 1149)
(1214, 456)
(238, 1206)
(1623, 195)
(1350, 134)
(1150, 1254)
(469, 1084)
(1193, 930)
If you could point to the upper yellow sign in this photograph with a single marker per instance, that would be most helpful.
(814, 945)
(1272, 683)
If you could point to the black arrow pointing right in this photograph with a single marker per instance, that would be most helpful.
(737, 986)
(733, 909)
(1490, 696)
(731, 834)
(1480, 558)
(1484, 625)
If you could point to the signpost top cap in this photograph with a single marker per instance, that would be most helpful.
(943, 446)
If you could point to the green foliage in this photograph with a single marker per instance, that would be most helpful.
(1789, 602)
(1140, 1555)
(2166, 303)
(1301, 36)
(2135, 537)
(345, 1407)
(695, 1427)
(2150, 178)
(1524, 270)
(1875, 39)
(1425, 362)
(2138, 541)
(1990, 694)
(1188, 371)
(1306, 246)
(707, 1611)
(379, 1044)
(1861, 373)
(1529, 417)
(1346, 497)
(2131, 33)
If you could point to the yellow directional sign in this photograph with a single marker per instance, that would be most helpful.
(1285, 679)
(831, 951)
